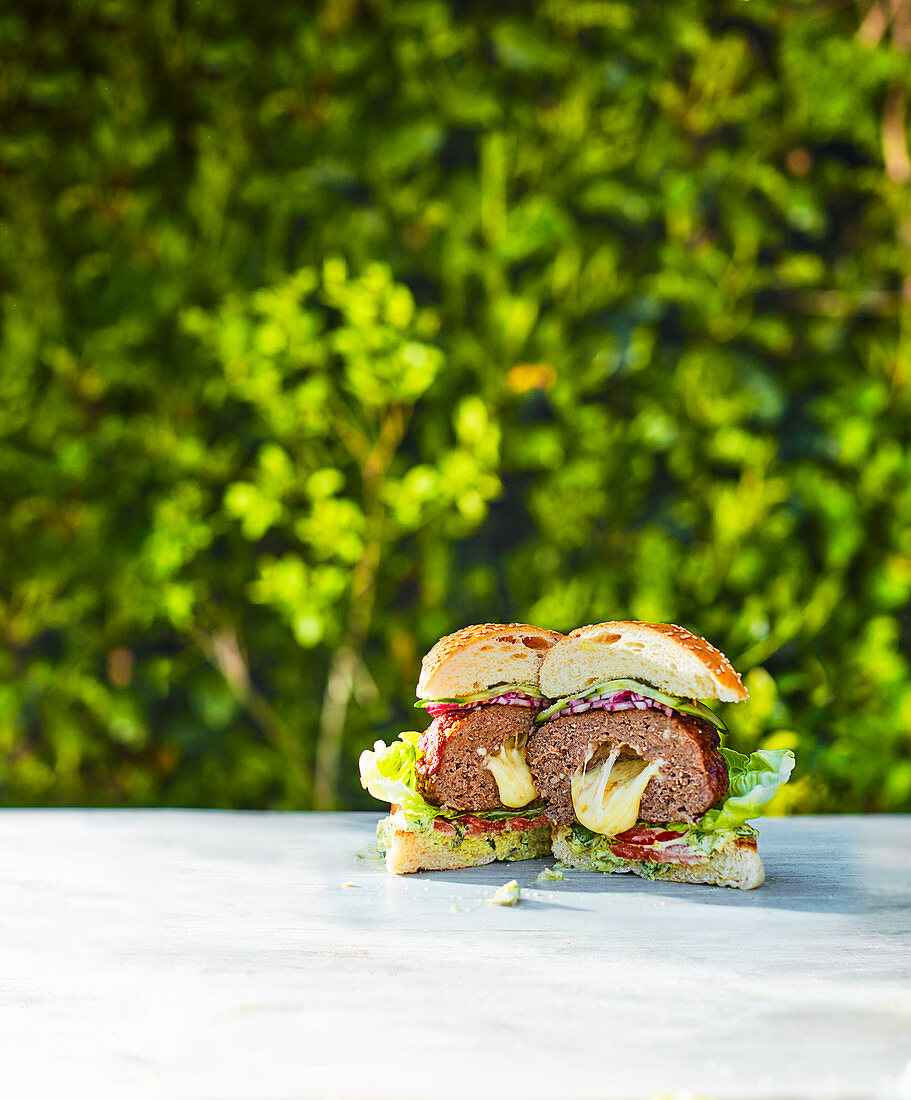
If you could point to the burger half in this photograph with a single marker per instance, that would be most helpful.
(630, 764)
(461, 792)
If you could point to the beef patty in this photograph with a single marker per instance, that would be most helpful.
(692, 773)
(455, 746)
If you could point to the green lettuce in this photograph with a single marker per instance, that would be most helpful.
(753, 783)
(389, 773)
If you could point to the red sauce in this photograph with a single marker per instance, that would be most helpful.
(639, 843)
(479, 826)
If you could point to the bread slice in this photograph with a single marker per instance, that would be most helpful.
(478, 657)
(662, 655)
(738, 865)
(407, 852)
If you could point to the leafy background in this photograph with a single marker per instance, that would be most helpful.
(329, 328)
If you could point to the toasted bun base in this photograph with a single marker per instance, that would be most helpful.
(738, 865)
(660, 654)
(477, 657)
(408, 852)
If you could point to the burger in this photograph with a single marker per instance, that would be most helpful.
(630, 762)
(461, 792)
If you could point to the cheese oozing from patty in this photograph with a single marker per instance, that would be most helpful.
(511, 774)
(606, 798)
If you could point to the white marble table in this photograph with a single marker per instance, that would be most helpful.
(211, 956)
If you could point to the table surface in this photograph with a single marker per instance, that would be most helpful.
(200, 954)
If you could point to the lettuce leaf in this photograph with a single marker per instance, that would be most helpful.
(388, 773)
(753, 783)
(533, 809)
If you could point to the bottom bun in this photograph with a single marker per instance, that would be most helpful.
(407, 852)
(738, 865)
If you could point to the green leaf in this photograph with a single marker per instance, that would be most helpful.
(754, 782)
(388, 773)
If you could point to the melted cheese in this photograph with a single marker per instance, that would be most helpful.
(511, 774)
(606, 798)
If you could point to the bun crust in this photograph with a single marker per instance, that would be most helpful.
(660, 654)
(408, 852)
(738, 865)
(477, 657)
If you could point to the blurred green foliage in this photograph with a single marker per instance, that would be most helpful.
(330, 328)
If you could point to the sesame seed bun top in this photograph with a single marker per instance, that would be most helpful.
(662, 655)
(478, 657)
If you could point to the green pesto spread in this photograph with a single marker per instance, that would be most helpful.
(511, 845)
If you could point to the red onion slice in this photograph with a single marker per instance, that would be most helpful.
(511, 698)
(616, 700)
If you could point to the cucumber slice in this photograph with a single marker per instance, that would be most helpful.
(682, 706)
(700, 710)
(480, 696)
